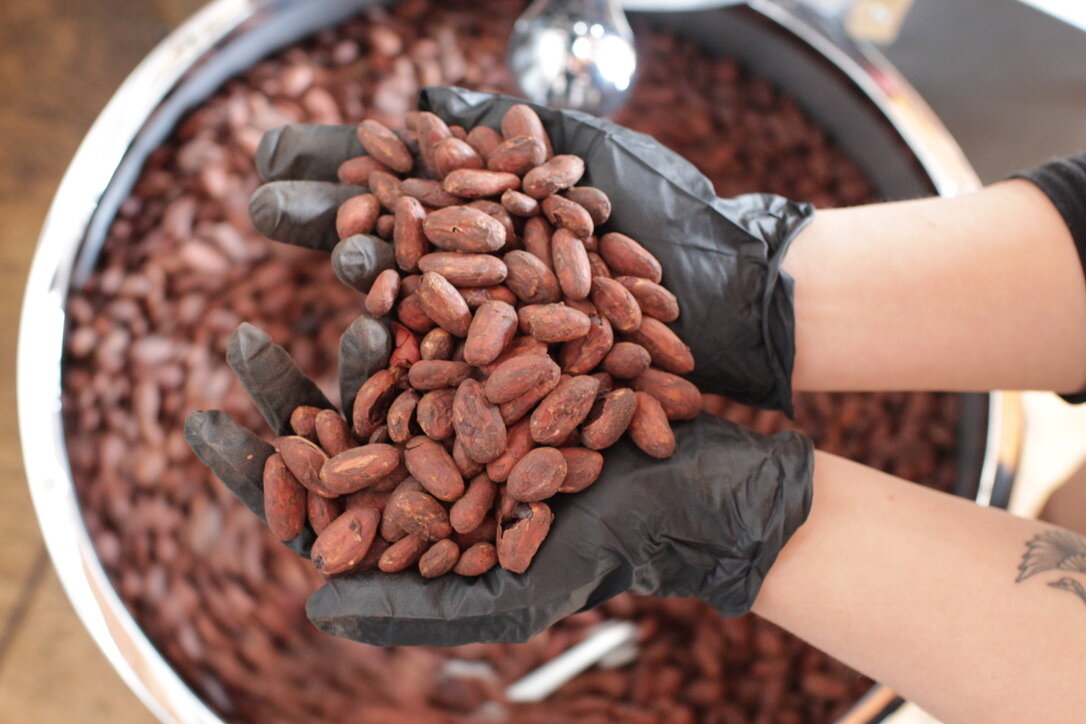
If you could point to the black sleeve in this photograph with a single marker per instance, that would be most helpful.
(1064, 182)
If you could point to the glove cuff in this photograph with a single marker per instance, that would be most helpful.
(737, 578)
(775, 222)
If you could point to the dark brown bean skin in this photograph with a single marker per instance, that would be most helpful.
(345, 542)
(609, 419)
(333, 434)
(599, 267)
(405, 351)
(490, 332)
(408, 239)
(571, 265)
(360, 467)
(680, 398)
(649, 428)
(419, 513)
(478, 423)
(624, 256)
(581, 356)
(402, 554)
(537, 240)
(666, 349)
(391, 528)
(522, 120)
(437, 344)
(484, 140)
(435, 374)
(385, 187)
(357, 215)
(430, 464)
(477, 296)
(371, 404)
(519, 406)
(559, 172)
(429, 192)
(452, 154)
(616, 303)
(567, 214)
(477, 559)
(516, 376)
(530, 279)
(487, 532)
(626, 360)
(380, 435)
(439, 559)
(537, 475)
(654, 300)
(401, 416)
(594, 201)
(468, 512)
(382, 295)
(517, 155)
(284, 499)
(304, 460)
(606, 382)
(497, 211)
(443, 304)
(583, 467)
(519, 347)
(461, 228)
(411, 314)
(371, 497)
(386, 224)
(431, 130)
(410, 284)
(467, 467)
(465, 270)
(321, 511)
(476, 184)
(385, 146)
(518, 441)
(356, 171)
(553, 322)
(520, 204)
(435, 413)
(563, 409)
(518, 543)
(303, 421)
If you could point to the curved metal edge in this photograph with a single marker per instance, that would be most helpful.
(920, 129)
(41, 347)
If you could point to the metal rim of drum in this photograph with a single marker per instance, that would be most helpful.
(221, 38)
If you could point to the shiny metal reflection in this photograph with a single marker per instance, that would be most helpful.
(575, 54)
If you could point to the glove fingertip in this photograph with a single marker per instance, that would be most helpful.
(270, 376)
(358, 259)
(404, 610)
(234, 454)
(364, 348)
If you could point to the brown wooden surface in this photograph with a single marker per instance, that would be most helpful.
(60, 60)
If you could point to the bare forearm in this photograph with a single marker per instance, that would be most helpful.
(918, 589)
(978, 292)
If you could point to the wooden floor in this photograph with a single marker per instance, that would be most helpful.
(60, 60)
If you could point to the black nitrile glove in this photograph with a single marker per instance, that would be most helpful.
(707, 522)
(721, 257)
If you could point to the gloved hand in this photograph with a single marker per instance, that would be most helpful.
(721, 257)
(707, 522)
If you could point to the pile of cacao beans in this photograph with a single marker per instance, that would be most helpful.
(467, 398)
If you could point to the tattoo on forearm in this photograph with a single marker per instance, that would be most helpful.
(1056, 550)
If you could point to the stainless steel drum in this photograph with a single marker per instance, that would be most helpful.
(851, 91)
